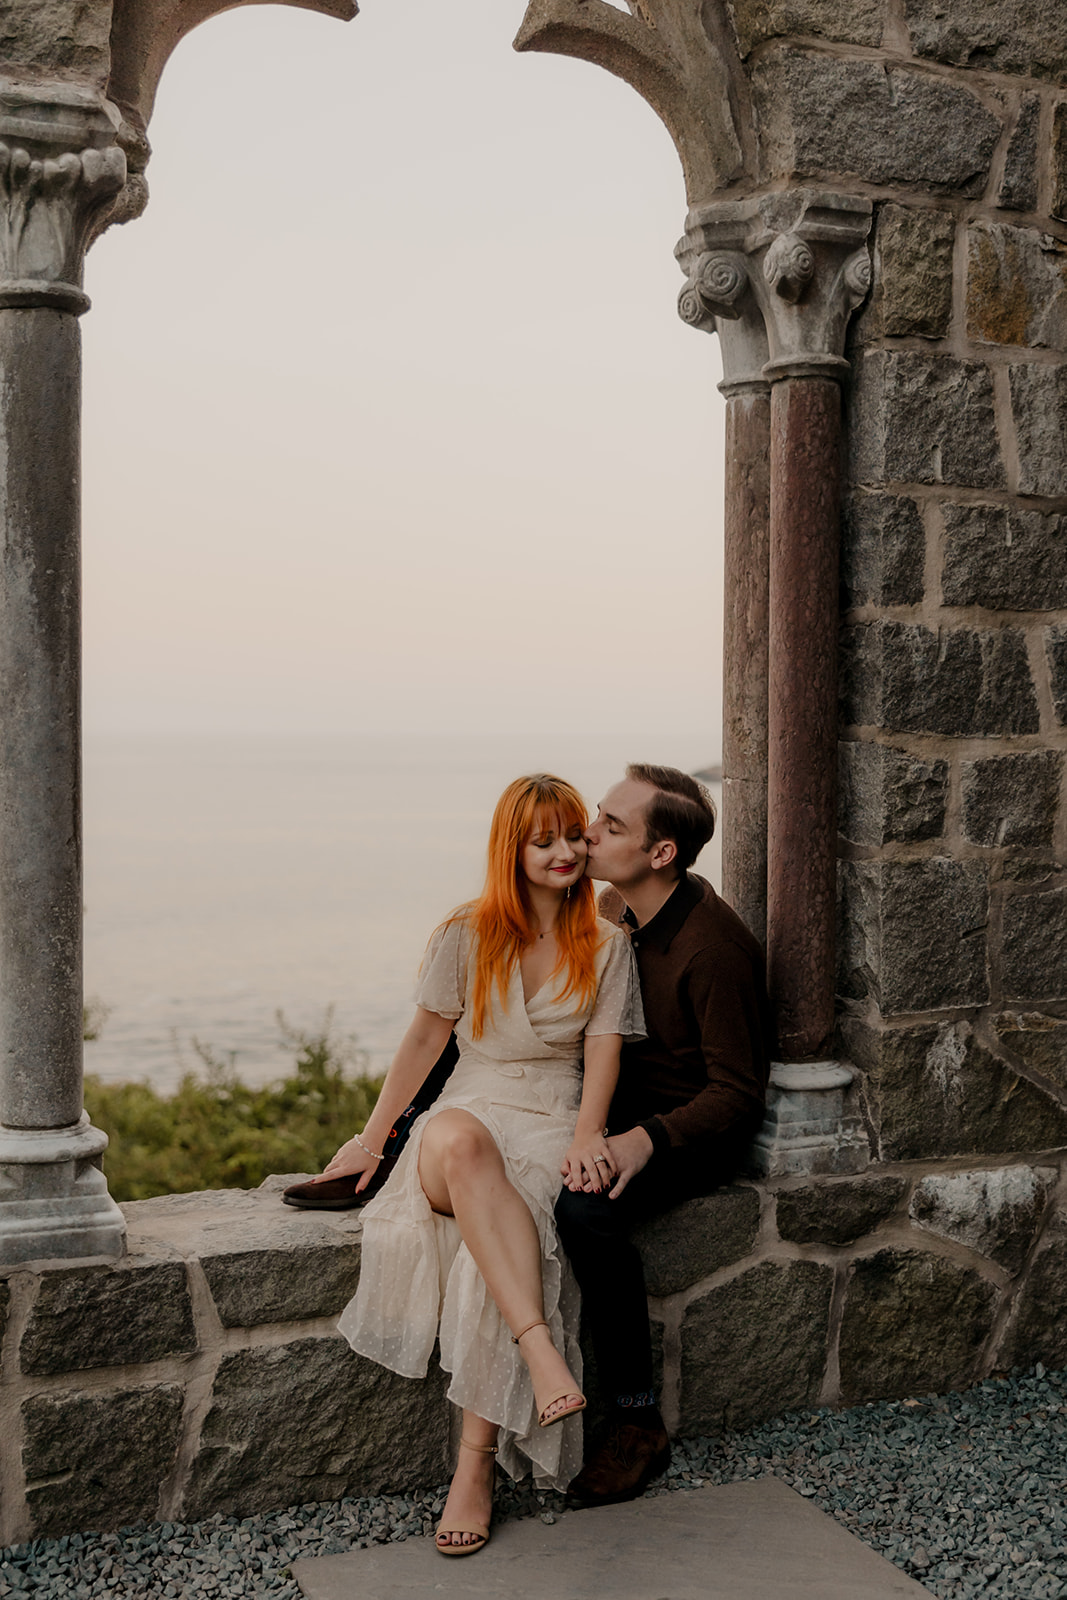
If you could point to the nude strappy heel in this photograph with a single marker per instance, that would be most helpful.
(546, 1402)
(480, 1533)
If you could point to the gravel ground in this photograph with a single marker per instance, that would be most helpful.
(965, 1492)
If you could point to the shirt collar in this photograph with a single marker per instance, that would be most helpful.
(661, 929)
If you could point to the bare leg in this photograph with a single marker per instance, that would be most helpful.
(470, 1499)
(462, 1174)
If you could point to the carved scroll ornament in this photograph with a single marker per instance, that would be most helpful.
(46, 210)
(803, 260)
(61, 167)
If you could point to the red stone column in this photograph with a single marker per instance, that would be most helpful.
(805, 469)
(745, 632)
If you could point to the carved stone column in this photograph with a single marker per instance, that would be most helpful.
(59, 167)
(797, 261)
(722, 283)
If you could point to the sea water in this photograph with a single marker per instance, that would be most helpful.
(229, 880)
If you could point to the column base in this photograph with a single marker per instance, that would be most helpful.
(54, 1203)
(809, 1128)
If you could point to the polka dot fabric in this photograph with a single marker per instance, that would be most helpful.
(522, 1080)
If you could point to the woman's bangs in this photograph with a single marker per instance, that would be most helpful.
(558, 818)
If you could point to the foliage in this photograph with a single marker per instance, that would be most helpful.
(94, 1014)
(215, 1132)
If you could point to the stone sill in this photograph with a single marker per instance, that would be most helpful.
(202, 1373)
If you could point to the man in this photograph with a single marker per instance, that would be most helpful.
(689, 1100)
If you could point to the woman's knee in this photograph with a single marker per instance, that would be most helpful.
(460, 1143)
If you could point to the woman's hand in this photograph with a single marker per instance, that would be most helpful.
(588, 1165)
(352, 1157)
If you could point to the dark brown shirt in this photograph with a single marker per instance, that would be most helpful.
(702, 1071)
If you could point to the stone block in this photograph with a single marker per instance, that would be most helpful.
(820, 116)
(263, 1262)
(691, 1242)
(924, 419)
(883, 551)
(995, 1213)
(1039, 1332)
(992, 35)
(838, 1211)
(937, 1091)
(913, 272)
(1016, 286)
(1004, 559)
(1056, 656)
(913, 1324)
(61, 38)
(1032, 874)
(96, 1461)
(285, 1272)
(138, 1310)
(1018, 186)
(1039, 1042)
(1039, 410)
(1012, 800)
(1059, 161)
(915, 933)
(907, 678)
(311, 1420)
(886, 794)
(755, 1346)
(1034, 948)
(844, 21)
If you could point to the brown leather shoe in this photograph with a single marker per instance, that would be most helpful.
(337, 1194)
(623, 1466)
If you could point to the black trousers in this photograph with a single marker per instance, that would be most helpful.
(595, 1232)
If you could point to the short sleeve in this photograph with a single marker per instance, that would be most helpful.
(617, 1008)
(441, 986)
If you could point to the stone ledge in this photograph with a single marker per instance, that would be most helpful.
(237, 1417)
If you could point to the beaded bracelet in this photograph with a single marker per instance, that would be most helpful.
(372, 1153)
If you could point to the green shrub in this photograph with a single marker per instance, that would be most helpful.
(215, 1132)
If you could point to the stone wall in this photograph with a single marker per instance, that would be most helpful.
(203, 1373)
(953, 925)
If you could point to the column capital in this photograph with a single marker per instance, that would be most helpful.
(777, 276)
(60, 166)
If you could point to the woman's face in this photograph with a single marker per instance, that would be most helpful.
(553, 857)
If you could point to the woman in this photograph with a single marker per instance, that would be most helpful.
(461, 1241)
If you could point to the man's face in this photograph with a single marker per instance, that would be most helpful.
(616, 838)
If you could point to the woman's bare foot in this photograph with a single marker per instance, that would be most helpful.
(549, 1374)
(470, 1498)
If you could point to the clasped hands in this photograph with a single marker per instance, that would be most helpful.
(590, 1165)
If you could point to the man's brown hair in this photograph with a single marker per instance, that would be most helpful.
(681, 810)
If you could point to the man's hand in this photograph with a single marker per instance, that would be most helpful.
(629, 1152)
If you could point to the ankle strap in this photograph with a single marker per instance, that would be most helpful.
(482, 1449)
(540, 1323)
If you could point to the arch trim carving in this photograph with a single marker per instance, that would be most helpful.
(144, 34)
(662, 50)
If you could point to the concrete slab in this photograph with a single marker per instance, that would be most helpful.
(742, 1541)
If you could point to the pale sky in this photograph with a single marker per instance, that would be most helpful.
(390, 421)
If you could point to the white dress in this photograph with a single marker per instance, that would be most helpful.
(522, 1079)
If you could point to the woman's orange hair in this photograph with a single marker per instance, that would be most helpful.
(501, 918)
